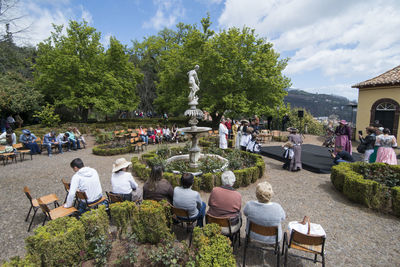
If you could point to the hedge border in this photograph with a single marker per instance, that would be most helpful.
(370, 193)
(244, 177)
(100, 150)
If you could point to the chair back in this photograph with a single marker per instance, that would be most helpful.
(221, 221)
(114, 198)
(180, 212)
(28, 194)
(263, 230)
(44, 207)
(310, 240)
(17, 146)
(66, 185)
(81, 196)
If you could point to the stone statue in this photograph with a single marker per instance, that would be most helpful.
(194, 87)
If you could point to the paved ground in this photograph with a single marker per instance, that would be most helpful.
(356, 236)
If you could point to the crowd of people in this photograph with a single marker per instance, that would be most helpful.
(159, 134)
(224, 201)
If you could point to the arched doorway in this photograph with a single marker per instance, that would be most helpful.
(387, 112)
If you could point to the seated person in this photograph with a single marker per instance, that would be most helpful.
(341, 155)
(174, 133)
(78, 135)
(49, 140)
(188, 199)
(3, 139)
(72, 139)
(63, 139)
(86, 180)
(122, 181)
(143, 135)
(159, 134)
(156, 187)
(151, 134)
(28, 139)
(11, 138)
(224, 201)
(264, 213)
(166, 133)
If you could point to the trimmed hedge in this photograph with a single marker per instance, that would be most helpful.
(103, 150)
(374, 195)
(207, 181)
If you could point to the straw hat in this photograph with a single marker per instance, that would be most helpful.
(120, 164)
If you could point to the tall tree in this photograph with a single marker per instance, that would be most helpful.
(238, 71)
(72, 70)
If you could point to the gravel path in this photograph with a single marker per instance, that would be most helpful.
(356, 236)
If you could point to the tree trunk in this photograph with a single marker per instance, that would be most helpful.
(85, 114)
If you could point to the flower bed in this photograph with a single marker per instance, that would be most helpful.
(248, 167)
(144, 238)
(375, 185)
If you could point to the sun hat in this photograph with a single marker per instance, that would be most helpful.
(25, 131)
(344, 122)
(120, 164)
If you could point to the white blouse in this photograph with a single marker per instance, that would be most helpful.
(122, 183)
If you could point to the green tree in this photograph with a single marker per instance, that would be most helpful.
(73, 70)
(238, 71)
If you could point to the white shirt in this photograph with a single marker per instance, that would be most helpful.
(85, 180)
(222, 130)
(166, 131)
(122, 183)
(244, 141)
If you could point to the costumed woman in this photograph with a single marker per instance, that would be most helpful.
(236, 135)
(386, 143)
(343, 136)
(296, 139)
(223, 135)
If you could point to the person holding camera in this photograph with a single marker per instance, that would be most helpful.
(367, 143)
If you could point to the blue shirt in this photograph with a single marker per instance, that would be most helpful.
(49, 139)
(23, 138)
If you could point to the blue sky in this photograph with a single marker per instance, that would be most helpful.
(332, 44)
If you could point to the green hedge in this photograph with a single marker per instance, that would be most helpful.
(213, 249)
(103, 150)
(370, 193)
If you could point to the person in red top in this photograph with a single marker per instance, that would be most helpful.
(224, 201)
(228, 125)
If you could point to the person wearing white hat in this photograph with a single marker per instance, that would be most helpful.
(122, 182)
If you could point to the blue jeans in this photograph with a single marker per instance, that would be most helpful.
(82, 207)
(75, 144)
(33, 147)
(49, 147)
(200, 215)
(145, 139)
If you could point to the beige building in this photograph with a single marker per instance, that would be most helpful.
(379, 102)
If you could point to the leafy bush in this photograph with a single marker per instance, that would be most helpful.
(122, 214)
(47, 116)
(59, 243)
(168, 254)
(213, 249)
(107, 150)
(313, 126)
(28, 261)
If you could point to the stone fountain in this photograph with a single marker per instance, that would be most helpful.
(195, 114)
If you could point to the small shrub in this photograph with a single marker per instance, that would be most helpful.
(168, 254)
(396, 200)
(21, 262)
(122, 214)
(207, 182)
(47, 116)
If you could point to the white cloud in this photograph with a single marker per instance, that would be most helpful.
(105, 40)
(167, 14)
(86, 16)
(337, 37)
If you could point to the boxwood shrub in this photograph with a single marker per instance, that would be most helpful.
(104, 150)
(348, 178)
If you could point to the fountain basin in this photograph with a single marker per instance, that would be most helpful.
(186, 157)
(194, 130)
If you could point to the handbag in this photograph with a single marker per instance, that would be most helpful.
(361, 148)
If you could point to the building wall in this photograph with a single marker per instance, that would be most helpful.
(367, 97)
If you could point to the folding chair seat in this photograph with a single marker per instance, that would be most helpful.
(114, 198)
(22, 151)
(48, 199)
(6, 156)
(304, 242)
(82, 197)
(55, 213)
(233, 232)
(265, 231)
(66, 187)
(181, 216)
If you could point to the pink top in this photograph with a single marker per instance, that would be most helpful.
(224, 202)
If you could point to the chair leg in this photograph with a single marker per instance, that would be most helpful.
(244, 251)
(278, 256)
(34, 213)
(286, 254)
(29, 212)
(323, 259)
(45, 218)
(315, 258)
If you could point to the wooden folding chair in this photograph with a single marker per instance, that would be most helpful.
(114, 198)
(225, 222)
(56, 212)
(66, 187)
(265, 231)
(82, 197)
(6, 156)
(48, 199)
(306, 243)
(22, 151)
(182, 217)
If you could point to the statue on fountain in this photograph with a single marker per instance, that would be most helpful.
(194, 87)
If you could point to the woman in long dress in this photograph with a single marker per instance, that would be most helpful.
(343, 136)
(296, 140)
(386, 143)
(236, 135)
(223, 135)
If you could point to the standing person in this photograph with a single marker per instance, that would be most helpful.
(156, 187)
(378, 132)
(269, 122)
(188, 199)
(257, 122)
(228, 125)
(245, 139)
(122, 181)
(236, 135)
(285, 120)
(287, 154)
(223, 135)
(296, 140)
(11, 121)
(28, 139)
(343, 136)
(86, 180)
(369, 142)
(50, 139)
(19, 121)
(386, 143)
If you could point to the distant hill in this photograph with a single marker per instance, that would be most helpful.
(319, 105)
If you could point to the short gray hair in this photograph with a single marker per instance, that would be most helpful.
(228, 178)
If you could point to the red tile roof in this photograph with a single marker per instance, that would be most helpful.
(389, 78)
